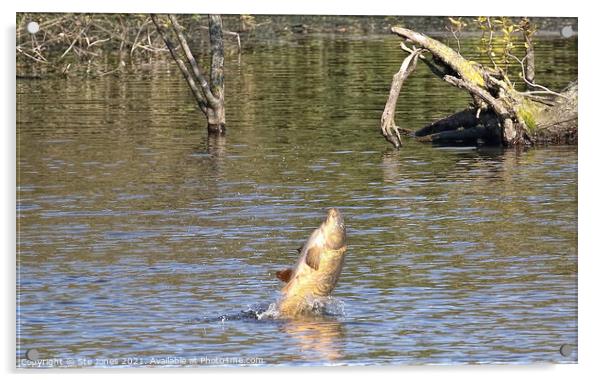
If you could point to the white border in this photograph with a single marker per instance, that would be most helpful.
(589, 205)
(335, 7)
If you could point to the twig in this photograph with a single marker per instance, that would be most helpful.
(405, 48)
(112, 34)
(138, 35)
(98, 42)
(73, 43)
(453, 32)
(489, 44)
(32, 57)
(534, 85)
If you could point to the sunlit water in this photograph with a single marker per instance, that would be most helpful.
(136, 232)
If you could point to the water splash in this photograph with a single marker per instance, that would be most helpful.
(327, 306)
(270, 313)
(318, 306)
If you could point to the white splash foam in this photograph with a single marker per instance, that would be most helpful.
(271, 313)
(328, 306)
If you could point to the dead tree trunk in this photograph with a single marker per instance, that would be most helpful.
(500, 113)
(208, 91)
(216, 117)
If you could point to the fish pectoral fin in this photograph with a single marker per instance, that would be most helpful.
(285, 275)
(313, 258)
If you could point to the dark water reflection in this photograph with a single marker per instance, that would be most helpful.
(132, 224)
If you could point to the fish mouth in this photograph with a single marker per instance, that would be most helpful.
(335, 218)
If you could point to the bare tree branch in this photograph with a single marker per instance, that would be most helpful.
(187, 75)
(387, 122)
(207, 92)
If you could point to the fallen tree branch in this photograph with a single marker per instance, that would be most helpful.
(387, 123)
(446, 55)
(499, 113)
(511, 135)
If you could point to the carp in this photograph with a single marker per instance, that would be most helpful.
(318, 269)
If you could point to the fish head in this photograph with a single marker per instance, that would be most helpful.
(334, 229)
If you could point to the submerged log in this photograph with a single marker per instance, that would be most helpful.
(463, 127)
(500, 114)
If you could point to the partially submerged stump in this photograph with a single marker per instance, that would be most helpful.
(499, 115)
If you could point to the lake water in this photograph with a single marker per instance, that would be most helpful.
(136, 231)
